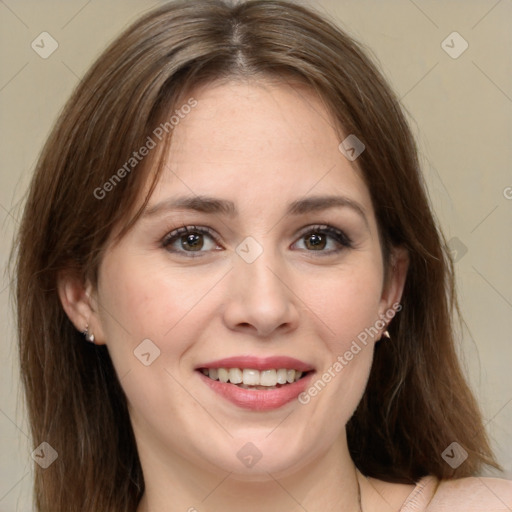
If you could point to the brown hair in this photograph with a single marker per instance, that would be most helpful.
(417, 401)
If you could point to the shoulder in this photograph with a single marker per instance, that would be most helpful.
(475, 494)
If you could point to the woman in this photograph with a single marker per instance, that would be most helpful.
(231, 290)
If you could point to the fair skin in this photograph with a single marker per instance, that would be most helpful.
(261, 146)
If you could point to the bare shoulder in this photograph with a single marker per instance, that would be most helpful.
(475, 494)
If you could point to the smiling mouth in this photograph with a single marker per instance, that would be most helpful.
(249, 378)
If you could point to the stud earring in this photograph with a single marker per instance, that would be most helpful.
(386, 335)
(89, 336)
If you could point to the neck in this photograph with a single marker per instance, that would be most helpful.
(328, 483)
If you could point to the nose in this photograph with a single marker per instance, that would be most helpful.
(261, 300)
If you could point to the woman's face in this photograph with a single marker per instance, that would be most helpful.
(287, 277)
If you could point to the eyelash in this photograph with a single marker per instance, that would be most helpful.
(339, 236)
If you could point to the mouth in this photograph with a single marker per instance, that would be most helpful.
(257, 384)
(250, 378)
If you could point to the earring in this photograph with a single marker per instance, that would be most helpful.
(89, 336)
(386, 335)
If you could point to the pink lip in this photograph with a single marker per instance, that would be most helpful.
(257, 400)
(258, 363)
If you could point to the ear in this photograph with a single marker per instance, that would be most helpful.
(395, 282)
(78, 301)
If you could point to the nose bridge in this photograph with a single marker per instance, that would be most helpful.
(260, 297)
(257, 272)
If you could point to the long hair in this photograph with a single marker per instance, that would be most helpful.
(417, 401)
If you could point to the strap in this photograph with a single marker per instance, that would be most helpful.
(421, 495)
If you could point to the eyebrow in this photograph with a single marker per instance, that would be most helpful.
(212, 205)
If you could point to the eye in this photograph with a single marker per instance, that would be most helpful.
(317, 238)
(194, 240)
(189, 240)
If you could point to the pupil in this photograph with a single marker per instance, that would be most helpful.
(316, 241)
(193, 241)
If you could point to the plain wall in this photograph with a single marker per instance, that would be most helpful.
(460, 111)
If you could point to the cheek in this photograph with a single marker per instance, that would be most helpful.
(148, 300)
(143, 301)
(347, 302)
(348, 306)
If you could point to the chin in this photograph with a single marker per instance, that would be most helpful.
(264, 459)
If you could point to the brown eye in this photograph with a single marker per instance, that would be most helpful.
(193, 241)
(324, 240)
(190, 239)
(315, 241)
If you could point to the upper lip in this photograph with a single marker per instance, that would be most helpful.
(258, 363)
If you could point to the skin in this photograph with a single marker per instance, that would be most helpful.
(261, 145)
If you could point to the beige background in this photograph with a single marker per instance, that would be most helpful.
(461, 113)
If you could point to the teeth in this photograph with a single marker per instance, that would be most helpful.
(281, 376)
(268, 378)
(249, 377)
(235, 376)
(223, 375)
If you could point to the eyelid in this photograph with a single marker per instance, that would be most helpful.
(339, 236)
(329, 229)
(183, 230)
(176, 233)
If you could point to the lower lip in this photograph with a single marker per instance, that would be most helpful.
(255, 399)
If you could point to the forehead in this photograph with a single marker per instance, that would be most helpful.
(258, 138)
